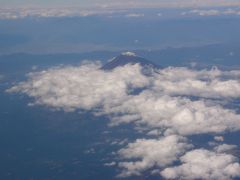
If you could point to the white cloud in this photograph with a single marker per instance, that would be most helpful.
(84, 87)
(224, 148)
(204, 83)
(212, 12)
(110, 164)
(162, 107)
(89, 88)
(18, 13)
(204, 164)
(177, 114)
(112, 11)
(154, 132)
(219, 138)
(135, 15)
(151, 152)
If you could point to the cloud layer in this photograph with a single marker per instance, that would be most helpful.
(159, 105)
(152, 152)
(85, 87)
(204, 164)
(121, 3)
(168, 104)
(212, 12)
(49, 12)
(19, 13)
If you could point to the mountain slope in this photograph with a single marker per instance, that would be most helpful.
(128, 58)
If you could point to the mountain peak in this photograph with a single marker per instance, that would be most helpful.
(128, 53)
(128, 58)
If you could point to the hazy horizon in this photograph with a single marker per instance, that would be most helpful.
(117, 4)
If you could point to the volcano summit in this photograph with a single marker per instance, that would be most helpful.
(128, 58)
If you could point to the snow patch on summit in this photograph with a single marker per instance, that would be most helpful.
(128, 53)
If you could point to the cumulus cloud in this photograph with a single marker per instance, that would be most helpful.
(204, 164)
(157, 106)
(154, 132)
(219, 138)
(178, 115)
(203, 83)
(151, 152)
(110, 164)
(225, 148)
(160, 104)
(84, 87)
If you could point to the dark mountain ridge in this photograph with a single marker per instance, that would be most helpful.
(128, 58)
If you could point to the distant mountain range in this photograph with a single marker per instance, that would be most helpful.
(129, 58)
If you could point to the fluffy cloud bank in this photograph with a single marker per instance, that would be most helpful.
(173, 102)
(158, 105)
(151, 152)
(225, 148)
(203, 83)
(204, 164)
(175, 114)
(85, 87)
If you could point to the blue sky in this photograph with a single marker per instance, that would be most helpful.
(117, 3)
